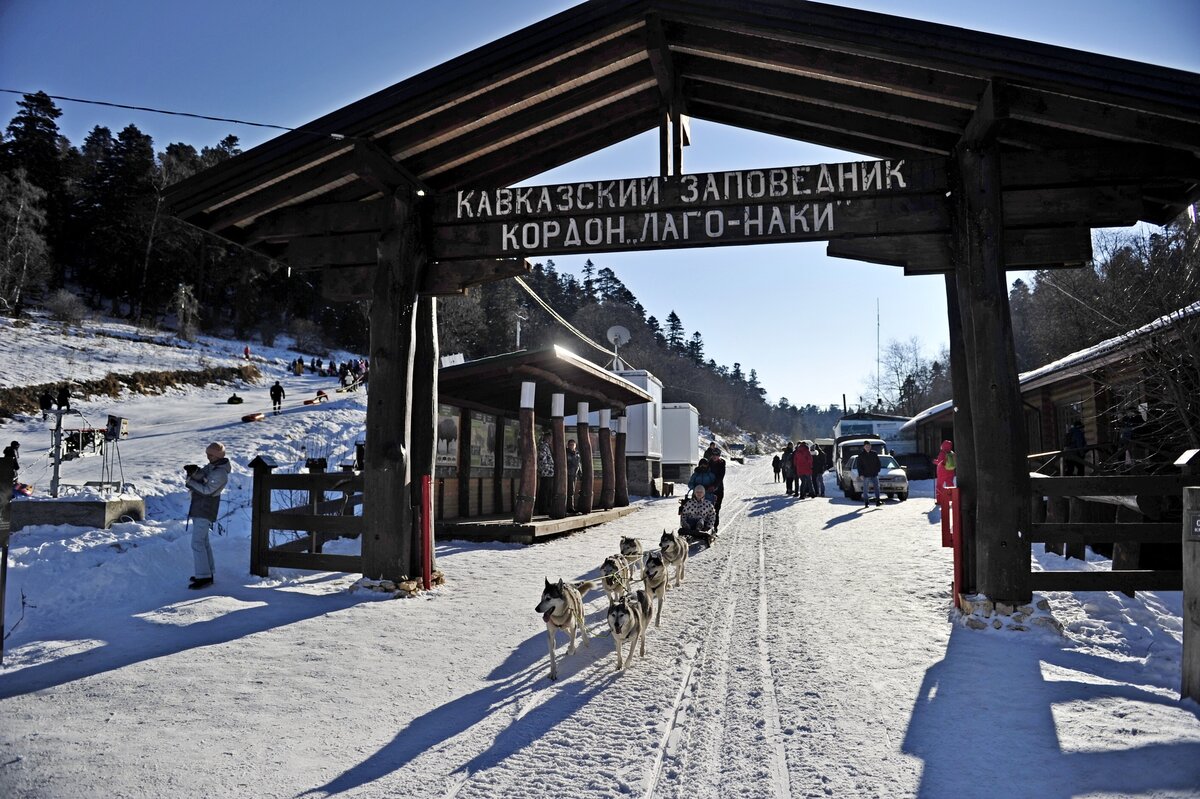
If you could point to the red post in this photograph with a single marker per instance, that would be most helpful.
(427, 531)
(956, 532)
(944, 501)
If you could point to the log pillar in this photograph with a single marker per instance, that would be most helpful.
(608, 475)
(587, 473)
(388, 550)
(621, 491)
(523, 505)
(558, 447)
(1190, 677)
(425, 411)
(464, 463)
(997, 415)
(964, 435)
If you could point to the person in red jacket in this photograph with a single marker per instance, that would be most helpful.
(802, 461)
(947, 463)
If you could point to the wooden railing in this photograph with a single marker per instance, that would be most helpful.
(323, 519)
(1060, 523)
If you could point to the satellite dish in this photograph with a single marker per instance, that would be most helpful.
(618, 335)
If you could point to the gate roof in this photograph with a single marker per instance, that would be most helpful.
(606, 70)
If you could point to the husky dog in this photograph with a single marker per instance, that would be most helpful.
(614, 576)
(628, 618)
(654, 574)
(631, 548)
(562, 609)
(674, 550)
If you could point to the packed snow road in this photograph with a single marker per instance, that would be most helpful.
(810, 652)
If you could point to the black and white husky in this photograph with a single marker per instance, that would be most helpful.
(562, 609)
(614, 576)
(628, 618)
(674, 550)
(631, 548)
(654, 575)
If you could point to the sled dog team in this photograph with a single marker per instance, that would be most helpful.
(629, 611)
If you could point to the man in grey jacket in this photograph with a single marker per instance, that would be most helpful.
(206, 484)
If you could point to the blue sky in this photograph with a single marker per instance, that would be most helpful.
(805, 322)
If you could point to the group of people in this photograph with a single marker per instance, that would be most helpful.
(802, 466)
(46, 401)
(546, 472)
(700, 511)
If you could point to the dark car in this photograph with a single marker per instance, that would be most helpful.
(918, 465)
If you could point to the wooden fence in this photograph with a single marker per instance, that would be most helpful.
(1067, 522)
(321, 516)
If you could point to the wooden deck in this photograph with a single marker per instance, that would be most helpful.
(502, 528)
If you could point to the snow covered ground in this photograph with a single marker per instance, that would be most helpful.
(811, 652)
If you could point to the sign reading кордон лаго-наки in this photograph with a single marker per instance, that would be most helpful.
(780, 204)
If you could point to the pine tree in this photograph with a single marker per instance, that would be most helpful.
(695, 348)
(23, 263)
(674, 332)
(589, 282)
(34, 144)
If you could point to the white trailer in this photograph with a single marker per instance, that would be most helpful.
(643, 436)
(680, 439)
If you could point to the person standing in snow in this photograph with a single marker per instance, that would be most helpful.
(573, 465)
(206, 484)
(246, 352)
(277, 396)
(802, 461)
(788, 466)
(545, 470)
(819, 464)
(1073, 450)
(64, 397)
(45, 402)
(868, 466)
(716, 465)
(775, 463)
(947, 464)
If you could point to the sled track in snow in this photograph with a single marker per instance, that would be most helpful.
(691, 746)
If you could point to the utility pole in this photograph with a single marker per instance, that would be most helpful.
(56, 440)
(520, 319)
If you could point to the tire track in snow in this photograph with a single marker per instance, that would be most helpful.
(780, 780)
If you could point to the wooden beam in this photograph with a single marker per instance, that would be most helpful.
(805, 59)
(1103, 486)
(327, 218)
(383, 172)
(347, 249)
(1089, 207)
(813, 115)
(931, 253)
(444, 279)
(1132, 164)
(335, 171)
(1131, 580)
(596, 397)
(827, 94)
(1105, 532)
(660, 57)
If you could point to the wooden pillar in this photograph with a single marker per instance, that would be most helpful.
(523, 505)
(587, 473)
(664, 142)
(464, 463)
(558, 446)
(608, 474)
(425, 414)
(388, 529)
(1190, 684)
(621, 492)
(997, 415)
(964, 434)
(260, 506)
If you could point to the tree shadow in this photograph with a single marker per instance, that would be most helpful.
(132, 636)
(984, 724)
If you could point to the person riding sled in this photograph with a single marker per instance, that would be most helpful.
(697, 516)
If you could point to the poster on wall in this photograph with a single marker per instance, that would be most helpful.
(483, 440)
(512, 455)
(447, 436)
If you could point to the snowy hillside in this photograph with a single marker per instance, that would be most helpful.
(811, 652)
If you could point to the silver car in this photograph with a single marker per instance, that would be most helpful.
(893, 480)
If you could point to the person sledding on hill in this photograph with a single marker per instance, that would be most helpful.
(277, 396)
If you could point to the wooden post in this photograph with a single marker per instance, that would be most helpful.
(664, 142)
(1077, 513)
(558, 446)
(523, 506)
(388, 529)
(587, 473)
(1190, 688)
(964, 433)
(1057, 512)
(621, 495)
(424, 412)
(6, 480)
(464, 464)
(997, 415)
(608, 475)
(260, 506)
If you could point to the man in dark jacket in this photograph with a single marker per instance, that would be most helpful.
(45, 402)
(277, 396)
(206, 484)
(775, 464)
(1076, 444)
(572, 473)
(789, 470)
(868, 466)
(716, 465)
(819, 464)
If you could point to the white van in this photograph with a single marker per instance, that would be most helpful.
(846, 448)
